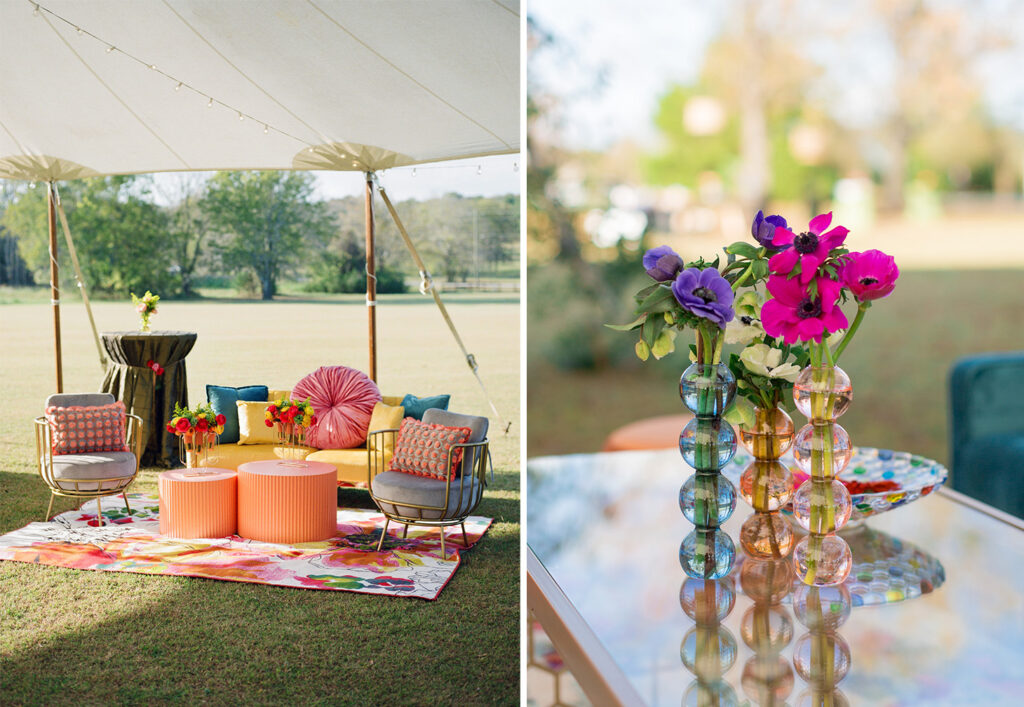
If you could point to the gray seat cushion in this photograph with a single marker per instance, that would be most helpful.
(476, 424)
(397, 486)
(94, 465)
(67, 400)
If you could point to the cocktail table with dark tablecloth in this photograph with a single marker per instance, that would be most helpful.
(145, 394)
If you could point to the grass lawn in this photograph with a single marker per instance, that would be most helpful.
(98, 638)
(899, 364)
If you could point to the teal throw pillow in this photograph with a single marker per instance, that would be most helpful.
(415, 407)
(223, 398)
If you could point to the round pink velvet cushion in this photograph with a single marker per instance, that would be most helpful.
(343, 400)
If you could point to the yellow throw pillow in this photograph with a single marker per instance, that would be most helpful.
(252, 428)
(385, 417)
(391, 400)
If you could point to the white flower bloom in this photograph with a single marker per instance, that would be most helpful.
(764, 360)
(736, 332)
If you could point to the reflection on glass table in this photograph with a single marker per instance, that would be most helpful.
(604, 579)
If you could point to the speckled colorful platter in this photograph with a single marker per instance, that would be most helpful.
(916, 476)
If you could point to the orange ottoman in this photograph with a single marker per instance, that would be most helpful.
(198, 505)
(287, 502)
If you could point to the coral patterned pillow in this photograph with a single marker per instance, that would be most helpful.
(78, 430)
(422, 448)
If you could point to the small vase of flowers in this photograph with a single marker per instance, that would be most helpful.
(146, 307)
(197, 430)
(291, 418)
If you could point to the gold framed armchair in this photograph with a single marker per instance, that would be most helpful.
(417, 500)
(92, 474)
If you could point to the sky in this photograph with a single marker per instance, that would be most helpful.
(484, 176)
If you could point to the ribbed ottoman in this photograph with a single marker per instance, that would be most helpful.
(198, 506)
(287, 502)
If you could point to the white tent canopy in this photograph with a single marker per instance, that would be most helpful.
(134, 86)
(129, 86)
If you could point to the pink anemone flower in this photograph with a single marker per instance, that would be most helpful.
(795, 313)
(810, 248)
(869, 275)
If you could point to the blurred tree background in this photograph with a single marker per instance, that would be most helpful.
(904, 118)
(250, 234)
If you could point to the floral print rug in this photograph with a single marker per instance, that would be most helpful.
(348, 562)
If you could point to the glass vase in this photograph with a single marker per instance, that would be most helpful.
(291, 440)
(709, 649)
(770, 435)
(194, 447)
(707, 443)
(822, 448)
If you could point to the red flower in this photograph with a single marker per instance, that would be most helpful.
(183, 424)
(221, 419)
(268, 423)
(170, 428)
(202, 425)
(797, 314)
(156, 367)
(312, 420)
(810, 248)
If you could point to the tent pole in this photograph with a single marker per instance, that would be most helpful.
(371, 277)
(54, 284)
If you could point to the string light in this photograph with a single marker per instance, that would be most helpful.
(515, 166)
(414, 171)
(479, 169)
(37, 8)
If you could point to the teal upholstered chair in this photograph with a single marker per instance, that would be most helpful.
(986, 394)
(417, 500)
(92, 474)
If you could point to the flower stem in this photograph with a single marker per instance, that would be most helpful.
(743, 278)
(861, 310)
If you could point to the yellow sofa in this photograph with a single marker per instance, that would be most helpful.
(352, 463)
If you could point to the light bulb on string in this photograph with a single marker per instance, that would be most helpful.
(414, 171)
(111, 48)
(79, 30)
(209, 104)
(266, 128)
(178, 87)
(153, 67)
(479, 170)
(35, 11)
(515, 166)
(240, 116)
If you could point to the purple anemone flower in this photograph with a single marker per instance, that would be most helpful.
(763, 230)
(706, 294)
(662, 263)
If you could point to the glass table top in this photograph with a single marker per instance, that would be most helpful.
(939, 620)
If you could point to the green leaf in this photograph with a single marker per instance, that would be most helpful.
(642, 294)
(760, 269)
(740, 412)
(661, 300)
(643, 351)
(629, 327)
(652, 329)
(742, 249)
(665, 344)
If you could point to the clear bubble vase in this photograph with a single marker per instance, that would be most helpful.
(707, 443)
(822, 448)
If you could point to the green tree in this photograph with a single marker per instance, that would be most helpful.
(269, 221)
(187, 227)
(119, 235)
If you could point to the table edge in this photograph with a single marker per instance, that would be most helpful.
(981, 507)
(588, 660)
